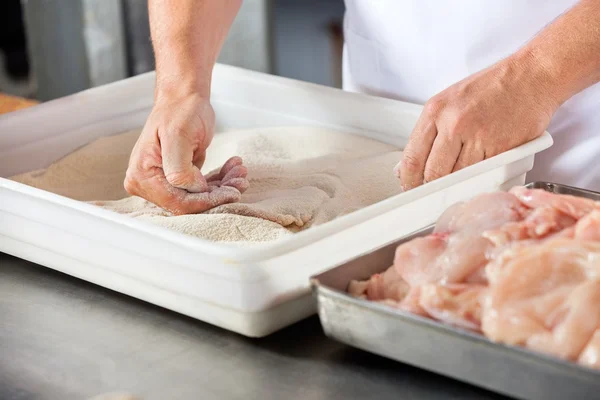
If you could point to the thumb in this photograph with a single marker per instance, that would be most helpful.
(177, 157)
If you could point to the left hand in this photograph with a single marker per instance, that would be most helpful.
(492, 111)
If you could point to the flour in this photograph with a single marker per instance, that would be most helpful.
(299, 177)
(115, 396)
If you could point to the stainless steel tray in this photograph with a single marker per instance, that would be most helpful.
(441, 348)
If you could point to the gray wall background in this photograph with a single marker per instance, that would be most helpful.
(78, 44)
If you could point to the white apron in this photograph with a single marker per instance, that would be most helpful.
(412, 49)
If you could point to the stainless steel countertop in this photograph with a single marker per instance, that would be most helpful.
(62, 338)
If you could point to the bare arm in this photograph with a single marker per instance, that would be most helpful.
(165, 164)
(187, 37)
(567, 52)
(507, 104)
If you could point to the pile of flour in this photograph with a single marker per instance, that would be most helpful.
(299, 177)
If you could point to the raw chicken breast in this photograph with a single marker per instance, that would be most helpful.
(546, 297)
(522, 267)
(412, 302)
(359, 288)
(486, 211)
(457, 248)
(575, 207)
(588, 227)
(537, 224)
(455, 304)
(385, 286)
(417, 261)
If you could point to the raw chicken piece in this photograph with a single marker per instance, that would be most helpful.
(387, 285)
(416, 261)
(442, 258)
(544, 223)
(464, 257)
(483, 212)
(446, 221)
(551, 216)
(545, 297)
(575, 207)
(590, 356)
(539, 223)
(572, 324)
(540, 290)
(359, 288)
(456, 251)
(455, 304)
(412, 302)
(588, 227)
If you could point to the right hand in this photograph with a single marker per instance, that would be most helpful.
(165, 163)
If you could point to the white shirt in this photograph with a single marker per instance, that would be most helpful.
(412, 49)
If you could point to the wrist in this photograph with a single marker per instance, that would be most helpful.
(175, 87)
(542, 77)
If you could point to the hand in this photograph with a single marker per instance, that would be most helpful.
(484, 115)
(165, 163)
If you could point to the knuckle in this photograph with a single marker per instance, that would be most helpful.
(129, 187)
(131, 183)
(433, 106)
(410, 163)
(455, 122)
(145, 155)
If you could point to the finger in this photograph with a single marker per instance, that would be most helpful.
(414, 156)
(235, 177)
(470, 154)
(240, 184)
(225, 169)
(443, 156)
(156, 189)
(194, 203)
(239, 171)
(180, 172)
(231, 163)
(181, 202)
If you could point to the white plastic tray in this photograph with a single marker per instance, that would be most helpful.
(253, 291)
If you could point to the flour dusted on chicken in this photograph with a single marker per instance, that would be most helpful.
(522, 267)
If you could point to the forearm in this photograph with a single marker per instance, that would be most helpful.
(187, 36)
(565, 56)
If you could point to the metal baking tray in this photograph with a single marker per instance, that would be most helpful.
(441, 348)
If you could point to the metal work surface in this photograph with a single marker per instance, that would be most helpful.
(63, 338)
(438, 347)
